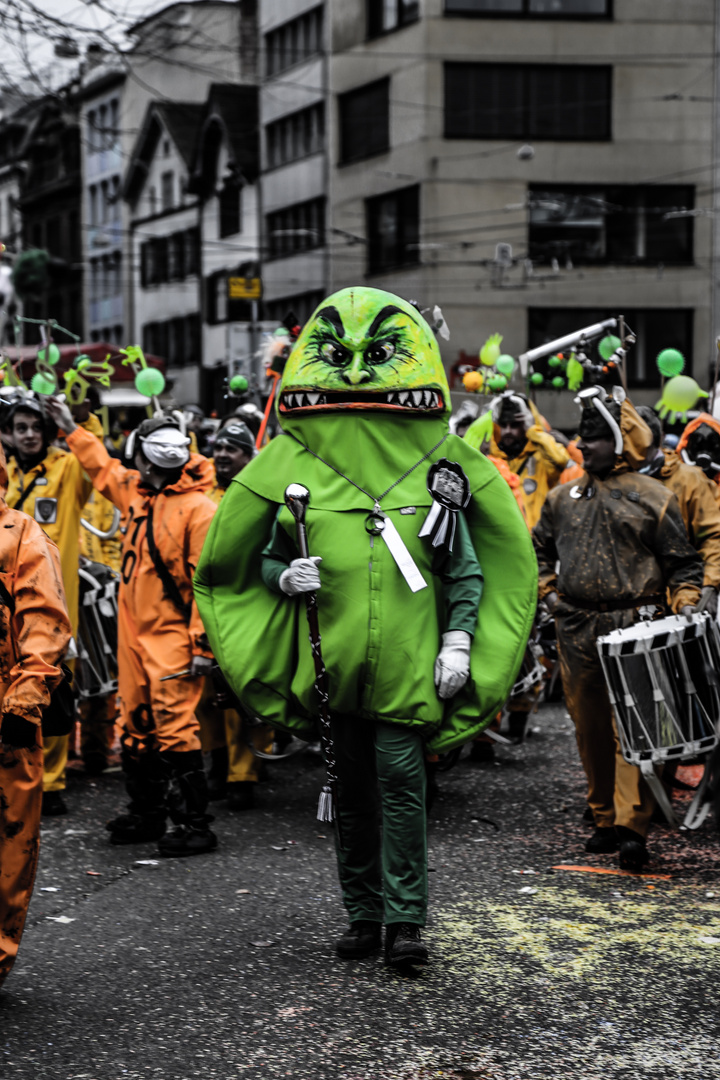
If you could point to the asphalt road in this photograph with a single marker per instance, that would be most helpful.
(222, 966)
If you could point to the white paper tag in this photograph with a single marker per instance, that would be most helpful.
(405, 562)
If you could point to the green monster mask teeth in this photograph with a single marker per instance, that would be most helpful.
(365, 349)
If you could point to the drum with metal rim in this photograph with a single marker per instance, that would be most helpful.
(96, 671)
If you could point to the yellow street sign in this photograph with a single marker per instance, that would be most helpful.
(243, 288)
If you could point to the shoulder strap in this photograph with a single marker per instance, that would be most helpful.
(19, 504)
(169, 584)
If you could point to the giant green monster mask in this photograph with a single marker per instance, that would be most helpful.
(368, 350)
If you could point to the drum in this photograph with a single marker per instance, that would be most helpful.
(96, 670)
(664, 683)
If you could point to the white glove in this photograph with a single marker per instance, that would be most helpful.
(452, 666)
(302, 575)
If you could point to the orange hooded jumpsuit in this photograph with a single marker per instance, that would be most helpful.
(703, 418)
(160, 729)
(33, 640)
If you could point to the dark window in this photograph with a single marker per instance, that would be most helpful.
(52, 237)
(219, 307)
(585, 224)
(296, 228)
(154, 261)
(167, 186)
(191, 249)
(302, 305)
(75, 239)
(364, 121)
(230, 210)
(656, 329)
(563, 102)
(386, 15)
(176, 256)
(293, 42)
(533, 9)
(295, 136)
(393, 230)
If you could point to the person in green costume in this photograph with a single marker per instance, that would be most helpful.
(421, 646)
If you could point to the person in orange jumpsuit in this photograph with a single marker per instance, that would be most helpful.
(700, 445)
(49, 484)
(34, 635)
(234, 769)
(164, 503)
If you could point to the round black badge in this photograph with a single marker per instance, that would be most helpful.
(448, 484)
(616, 493)
(633, 496)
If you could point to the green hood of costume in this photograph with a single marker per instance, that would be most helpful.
(363, 349)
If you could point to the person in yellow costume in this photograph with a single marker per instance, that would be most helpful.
(50, 485)
(234, 769)
(520, 439)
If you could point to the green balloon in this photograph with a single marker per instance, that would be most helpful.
(536, 378)
(670, 362)
(505, 365)
(41, 385)
(497, 382)
(554, 361)
(679, 395)
(608, 345)
(238, 384)
(53, 351)
(558, 382)
(150, 382)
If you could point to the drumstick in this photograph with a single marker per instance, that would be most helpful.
(176, 675)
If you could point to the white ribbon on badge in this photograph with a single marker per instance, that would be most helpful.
(379, 524)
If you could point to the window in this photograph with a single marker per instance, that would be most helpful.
(386, 15)
(295, 136)
(103, 203)
(92, 204)
(152, 201)
(92, 138)
(102, 124)
(94, 279)
(656, 329)
(585, 224)
(166, 191)
(52, 237)
(296, 228)
(302, 305)
(230, 210)
(564, 102)
(393, 230)
(114, 133)
(175, 340)
(219, 307)
(115, 198)
(169, 258)
(538, 9)
(75, 247)
(294, 42)
(364, 121)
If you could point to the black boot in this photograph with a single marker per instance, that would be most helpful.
(482, 752)
(217, 777)
(602, 842)
(361, 939)
(188, 801)
(403, 945)
(517, 726)
(633, 853)
(146, 784)
(53, 804)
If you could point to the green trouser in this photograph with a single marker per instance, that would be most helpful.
(381, 787)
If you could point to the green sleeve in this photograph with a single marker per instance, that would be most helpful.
(277, 555)
(462, 578)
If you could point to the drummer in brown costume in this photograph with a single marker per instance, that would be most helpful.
(622, 546)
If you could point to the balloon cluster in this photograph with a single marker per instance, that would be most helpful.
(497, 368)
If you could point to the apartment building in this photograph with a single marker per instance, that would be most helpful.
(529, 165)
(173, 55)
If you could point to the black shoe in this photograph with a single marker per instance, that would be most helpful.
(136, 828)
(217, 777)
(53, 804)
(217, 788)
(482, 752)
(185, 840)
(241, 795)
(361, 939)
(633, 853)
(403, 945)
(517, 726)
(602, 842)
(588, 816)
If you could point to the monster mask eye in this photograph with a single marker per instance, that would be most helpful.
(334, 354)
(380, 352)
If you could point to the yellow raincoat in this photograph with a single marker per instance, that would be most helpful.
(539, 465)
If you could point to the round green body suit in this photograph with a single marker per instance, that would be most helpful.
(365, 390)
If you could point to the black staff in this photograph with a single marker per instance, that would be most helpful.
(297, 498)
